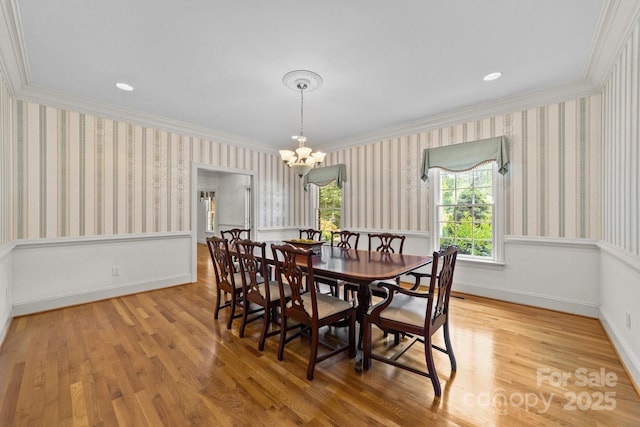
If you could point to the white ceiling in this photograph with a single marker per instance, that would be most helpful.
(218, 65)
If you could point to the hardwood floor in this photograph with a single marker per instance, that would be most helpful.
(159, 358)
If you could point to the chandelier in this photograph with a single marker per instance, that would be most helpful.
(303, 158)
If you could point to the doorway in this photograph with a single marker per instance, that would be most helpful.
(223, 198)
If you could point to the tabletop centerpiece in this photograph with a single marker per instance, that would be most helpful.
(315, 246)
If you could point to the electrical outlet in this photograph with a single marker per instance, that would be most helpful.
(628, 320)
(115, 270)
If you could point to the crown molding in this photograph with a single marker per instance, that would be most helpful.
(470, 113)
(13, 57)
(88, 106)
(613, 30)
(614, 26)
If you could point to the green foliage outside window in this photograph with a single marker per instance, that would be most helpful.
(466, 211)
(329, 209)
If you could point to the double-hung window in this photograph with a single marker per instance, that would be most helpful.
(466, 187)
(465, 211)
(329, 209)
(328, 203)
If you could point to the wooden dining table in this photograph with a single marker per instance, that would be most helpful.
(363, 267)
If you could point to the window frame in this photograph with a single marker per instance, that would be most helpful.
(497, 217)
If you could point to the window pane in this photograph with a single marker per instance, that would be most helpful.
(482, 178)
(447, 197)
(464, 180)
(482, 248)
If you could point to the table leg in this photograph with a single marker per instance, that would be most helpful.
(364, 301)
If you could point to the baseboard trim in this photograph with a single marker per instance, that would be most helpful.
(629, 361)
(535, 300)
(30, 307)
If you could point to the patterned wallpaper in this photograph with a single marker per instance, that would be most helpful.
(552, 188)
(621, 163)
(81, 175)
(5, 162)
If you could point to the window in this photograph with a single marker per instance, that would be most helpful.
(247, 207)
(208, 197)
(329, 209)
(466, 211)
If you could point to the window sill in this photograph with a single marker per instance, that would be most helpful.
(473, 262)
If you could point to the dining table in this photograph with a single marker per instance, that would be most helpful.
(361, 267)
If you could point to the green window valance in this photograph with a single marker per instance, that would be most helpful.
(465, 156)
(323, 176)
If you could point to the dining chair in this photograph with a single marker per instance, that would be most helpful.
(233, 235)
(228, 281)
(257, 290)
(346, 239)
(310, 233)
(386, 243)
(313, 234)
(310, 308)
(419, 315)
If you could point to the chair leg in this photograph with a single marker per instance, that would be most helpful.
(352, 336)
(313, 355)
(265, 327)
(232, 311)
(447, 342)
(366, 344)
(245, 314)
(283, 334)
(431, 367)
(218, 296)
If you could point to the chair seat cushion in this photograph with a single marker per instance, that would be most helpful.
(327, 304)
(405, 309)
(237, 278)
(274, 291)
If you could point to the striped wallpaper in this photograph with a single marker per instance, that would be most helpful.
(621, 153)
(82, 175)
(5, 162)
(552, 188)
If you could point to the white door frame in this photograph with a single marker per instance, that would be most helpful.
(195, 167)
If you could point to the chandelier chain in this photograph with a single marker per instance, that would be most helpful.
(302, 87)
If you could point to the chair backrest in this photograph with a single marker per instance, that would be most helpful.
(252, 266)
(298, 277)
(348, 239)
(386, 243)
(440, 285)
(310, 233)
(235, 234)
(222, 265)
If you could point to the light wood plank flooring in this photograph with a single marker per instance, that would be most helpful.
(159, 358)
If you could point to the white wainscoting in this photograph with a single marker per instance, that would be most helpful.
(6, 255)
(277, 233)
(557, 274)
(54, 273)
(620, 293)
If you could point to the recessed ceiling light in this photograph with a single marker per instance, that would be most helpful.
(492, 76)
(124, 86)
